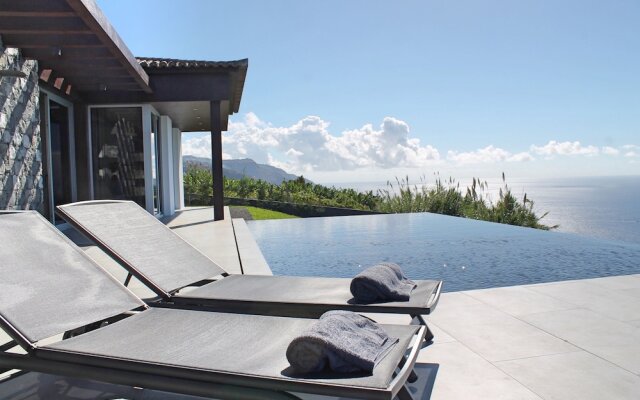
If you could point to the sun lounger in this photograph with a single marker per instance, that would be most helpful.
(49, 287)
(166, 263)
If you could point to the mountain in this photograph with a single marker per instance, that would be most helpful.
(236, 169)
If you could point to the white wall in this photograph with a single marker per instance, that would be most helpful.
(166, 166)
(178, 182)
(148, 163)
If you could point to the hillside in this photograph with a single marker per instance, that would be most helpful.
(236, 169)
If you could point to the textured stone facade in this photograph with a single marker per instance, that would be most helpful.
(21, 180)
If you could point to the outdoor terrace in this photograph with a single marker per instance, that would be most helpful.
(562, 340)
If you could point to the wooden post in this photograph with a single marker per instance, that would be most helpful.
(216, 161)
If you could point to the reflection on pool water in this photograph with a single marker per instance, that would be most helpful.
(466, 254)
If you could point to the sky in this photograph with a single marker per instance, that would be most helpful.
(359, 91)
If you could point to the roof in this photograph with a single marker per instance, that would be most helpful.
(149, 62)
(239, 67)
(72, 39)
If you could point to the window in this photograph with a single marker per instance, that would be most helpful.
(118, 153)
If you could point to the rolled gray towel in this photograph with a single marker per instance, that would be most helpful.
(342, 340)
(384, 282)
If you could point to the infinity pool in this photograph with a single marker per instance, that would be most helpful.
(466, 254)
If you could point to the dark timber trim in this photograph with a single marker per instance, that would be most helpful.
(216, 161)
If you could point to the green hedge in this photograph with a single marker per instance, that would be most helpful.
(444, 197)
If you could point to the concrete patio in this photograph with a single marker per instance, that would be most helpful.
(562, 340)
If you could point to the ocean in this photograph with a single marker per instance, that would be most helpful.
(598, 235)
(597, 207)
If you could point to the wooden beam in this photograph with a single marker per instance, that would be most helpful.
(216, 161)
(98, 53)
(107, 64)
(35, 7)
(45, 74)
(58, 83)
(191, 86)
(49, 46)
(43, 25)
(98, 23)
(23, 40)
(37, 14)
(45, 32)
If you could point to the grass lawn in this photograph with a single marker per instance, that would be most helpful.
(261, 213)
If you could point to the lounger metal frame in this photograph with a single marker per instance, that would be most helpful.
(218, 384)
(183, 378)
(305, 310)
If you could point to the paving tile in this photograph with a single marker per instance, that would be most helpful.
(615, 341)
(453, 301)
(578, 375)
(213, 238)
(631, 292)
(251, 258)
(496, 335)
(617, 282)
(606, 301)
(518, 300)
(451, 371)
(440, 336)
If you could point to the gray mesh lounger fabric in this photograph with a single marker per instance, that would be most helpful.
(143, 241)
(150, 250)
(49, 286)
(28, 296)
(235, 343)
(302, 296)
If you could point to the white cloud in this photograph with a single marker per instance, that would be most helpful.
(197, 146)
(610, 151)
(564, 148)
(631, 150)
(308, 145)
(201, 147)
(489, 154)
(520, 157)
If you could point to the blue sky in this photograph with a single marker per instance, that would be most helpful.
(366, 90)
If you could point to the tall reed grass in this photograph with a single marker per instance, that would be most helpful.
(445, 197)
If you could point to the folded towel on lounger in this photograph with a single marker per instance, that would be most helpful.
(343, 341)
(384, 282)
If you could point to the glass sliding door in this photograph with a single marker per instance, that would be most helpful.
(58, 150)
(60, 153)
(118, 153)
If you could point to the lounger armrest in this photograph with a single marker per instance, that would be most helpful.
(434, 298)
(402, 376)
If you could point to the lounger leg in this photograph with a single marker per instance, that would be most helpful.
(126, 281)
(404, 394)
(412, 375)
(419, 320)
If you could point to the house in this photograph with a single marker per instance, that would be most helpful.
(81, 118)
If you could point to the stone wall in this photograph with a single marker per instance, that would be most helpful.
(21, 180)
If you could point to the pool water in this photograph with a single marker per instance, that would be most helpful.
(466, 254)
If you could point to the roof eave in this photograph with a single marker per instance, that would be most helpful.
(91, 14)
